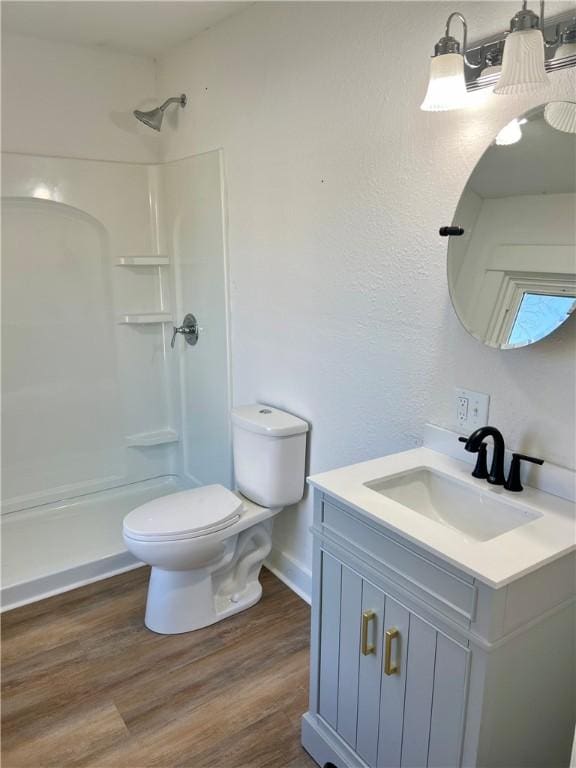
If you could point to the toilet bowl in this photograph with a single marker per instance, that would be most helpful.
(199, 575)
(206, 545)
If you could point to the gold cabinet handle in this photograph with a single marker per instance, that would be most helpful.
(389, 668)
(367, 617)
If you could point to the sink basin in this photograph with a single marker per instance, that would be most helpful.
(476, 514)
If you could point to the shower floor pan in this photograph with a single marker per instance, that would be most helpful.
(61, 546)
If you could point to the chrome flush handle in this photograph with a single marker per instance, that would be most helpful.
(189, 329)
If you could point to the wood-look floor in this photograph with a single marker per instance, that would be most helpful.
(85, 684)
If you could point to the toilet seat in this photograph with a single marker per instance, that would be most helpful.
(184, 515)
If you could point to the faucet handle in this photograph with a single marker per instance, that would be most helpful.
(481, 469)
(513, 482)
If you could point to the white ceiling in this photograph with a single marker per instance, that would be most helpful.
(142, 27)
(151, 27)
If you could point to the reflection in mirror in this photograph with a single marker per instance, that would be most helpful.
(512, 274)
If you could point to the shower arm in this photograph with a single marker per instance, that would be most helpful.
(173, 100)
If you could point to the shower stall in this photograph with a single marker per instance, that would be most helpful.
(99, 412)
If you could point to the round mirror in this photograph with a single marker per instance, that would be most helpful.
(512, 272)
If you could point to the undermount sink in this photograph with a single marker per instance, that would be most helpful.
(479, 515)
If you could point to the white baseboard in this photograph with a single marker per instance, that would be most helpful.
(39, 589)
(292, 573)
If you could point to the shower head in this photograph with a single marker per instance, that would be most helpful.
(153, 118)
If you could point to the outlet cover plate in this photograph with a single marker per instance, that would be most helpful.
(471, 409)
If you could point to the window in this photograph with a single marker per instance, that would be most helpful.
(538, 315)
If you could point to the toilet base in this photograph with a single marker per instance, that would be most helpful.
(182, 601)
(185, 600)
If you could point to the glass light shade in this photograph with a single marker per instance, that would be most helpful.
(561, 115)
(446, 87)
(510, 134)
(567, 49)
(523, 63)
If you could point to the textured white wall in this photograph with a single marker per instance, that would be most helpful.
(75, 101)
(337, 184)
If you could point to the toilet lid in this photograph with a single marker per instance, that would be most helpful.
(185, 514)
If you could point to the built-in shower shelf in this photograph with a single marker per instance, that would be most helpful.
(145, 439)
(141, 318)
(142, 261)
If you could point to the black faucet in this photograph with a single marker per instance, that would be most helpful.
(474, 445)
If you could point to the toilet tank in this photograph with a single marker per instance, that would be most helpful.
(269, 454)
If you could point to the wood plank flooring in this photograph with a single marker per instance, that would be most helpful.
(85, 684)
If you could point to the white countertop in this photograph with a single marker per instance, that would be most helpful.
(495, 562)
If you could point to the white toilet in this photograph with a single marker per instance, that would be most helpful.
(206, 546)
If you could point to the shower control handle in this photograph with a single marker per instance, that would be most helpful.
(189, 329)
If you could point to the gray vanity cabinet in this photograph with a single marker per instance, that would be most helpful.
(416, 663)
(391, 684)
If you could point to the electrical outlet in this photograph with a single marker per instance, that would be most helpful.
(471, 409)
(462, 404)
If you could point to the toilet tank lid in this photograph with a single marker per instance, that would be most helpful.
(267, 420)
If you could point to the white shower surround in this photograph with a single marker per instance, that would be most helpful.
(61, 546)
(101, 415)
(49, 456)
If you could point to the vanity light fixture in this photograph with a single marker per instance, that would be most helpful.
(447, 86)
(491, 69)
(494, 64)
(513, 61)
(523, 58)
(567, 41)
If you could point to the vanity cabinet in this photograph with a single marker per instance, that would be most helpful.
(409, 676)
(414, 663)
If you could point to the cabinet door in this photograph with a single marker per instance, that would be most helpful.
(448, 703)
(396, 627)
(351, 656)
(391, 684)
(329, 638)
(370, 673)
(435, 698)
(419, 689)
(350, 606)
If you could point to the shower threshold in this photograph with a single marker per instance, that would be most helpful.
(61, 546)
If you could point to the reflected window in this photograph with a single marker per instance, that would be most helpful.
(538, 315)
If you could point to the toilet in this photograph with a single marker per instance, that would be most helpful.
(206, 545)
